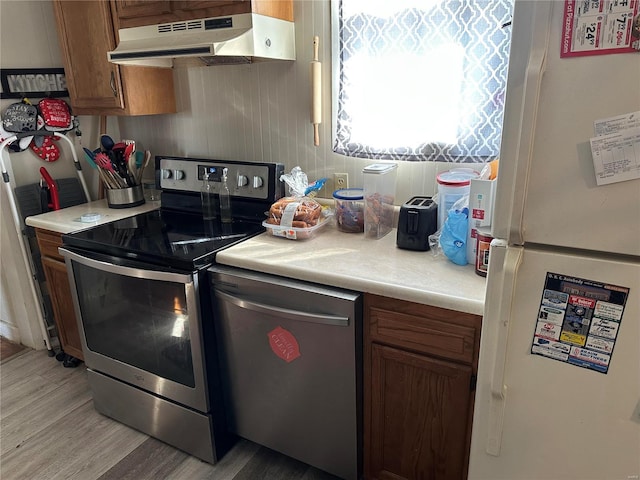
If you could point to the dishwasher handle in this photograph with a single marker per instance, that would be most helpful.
(295, 315)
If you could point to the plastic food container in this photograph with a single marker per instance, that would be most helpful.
(349, 203)
(379, 195)
(452, 186)
(294, 233)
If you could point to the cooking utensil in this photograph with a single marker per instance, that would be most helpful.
(316, 92)
(133, 170)
(89, 155)
(107, 142)
(117, 160)
(139, 158)
(105, 166)
(128, 151)
(129, 160)
(103, 161)
(106, 180)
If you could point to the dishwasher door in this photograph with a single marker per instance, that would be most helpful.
(291, 364)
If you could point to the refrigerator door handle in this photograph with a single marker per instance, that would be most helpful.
(498, 313)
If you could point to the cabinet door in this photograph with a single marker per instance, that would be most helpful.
(96, 86)
(65, 316)
(86, 33)
(136, 13)
(199, 4)
(419, 416)
(142, 8)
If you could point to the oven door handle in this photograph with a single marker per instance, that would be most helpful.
(295, 315)
(87, 259)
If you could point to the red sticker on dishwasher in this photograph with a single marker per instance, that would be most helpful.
(284, 344)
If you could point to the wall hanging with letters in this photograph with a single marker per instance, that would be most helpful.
(33, 82)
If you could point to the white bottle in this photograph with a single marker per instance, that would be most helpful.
(225, 199)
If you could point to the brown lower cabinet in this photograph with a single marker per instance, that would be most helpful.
(55, 272)
(419, 383)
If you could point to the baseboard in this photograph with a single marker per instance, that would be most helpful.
(9, 331)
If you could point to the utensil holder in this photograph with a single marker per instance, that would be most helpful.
(125, 197)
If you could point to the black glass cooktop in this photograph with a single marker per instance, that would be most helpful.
(164, 237)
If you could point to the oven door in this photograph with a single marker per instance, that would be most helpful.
(139, 325)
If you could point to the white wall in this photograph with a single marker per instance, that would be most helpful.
(28, 39)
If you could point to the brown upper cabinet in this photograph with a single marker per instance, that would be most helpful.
(87, 30)
(136, 13)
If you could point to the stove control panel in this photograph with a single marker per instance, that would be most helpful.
(244, 179)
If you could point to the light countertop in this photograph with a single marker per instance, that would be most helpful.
(67, 220)
(354, 262)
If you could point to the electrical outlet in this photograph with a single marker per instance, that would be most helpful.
(341, 180)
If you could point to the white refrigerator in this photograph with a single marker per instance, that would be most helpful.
(558, 392)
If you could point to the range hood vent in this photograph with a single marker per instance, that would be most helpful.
(220, 40)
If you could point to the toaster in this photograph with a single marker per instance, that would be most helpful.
(418, 219)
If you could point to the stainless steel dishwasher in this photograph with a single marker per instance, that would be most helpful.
(291, 366)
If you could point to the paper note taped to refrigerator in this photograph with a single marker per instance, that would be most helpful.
(616, 156)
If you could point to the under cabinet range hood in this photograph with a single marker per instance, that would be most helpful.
(220, 40)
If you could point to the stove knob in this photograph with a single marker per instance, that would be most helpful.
(166, 173)
(257, 181)
(178, 174)
(242, 180)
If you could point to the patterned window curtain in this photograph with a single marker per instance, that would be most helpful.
(421, 79)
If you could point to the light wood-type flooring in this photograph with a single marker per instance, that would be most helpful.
(50, 430)
(8, 348)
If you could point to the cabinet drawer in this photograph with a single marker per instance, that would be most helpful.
(49, 242)
(430, 330)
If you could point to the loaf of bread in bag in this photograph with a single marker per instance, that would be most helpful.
(307, 212)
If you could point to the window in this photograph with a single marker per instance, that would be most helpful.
(420, 79)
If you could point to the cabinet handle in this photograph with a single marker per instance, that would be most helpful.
(102, 263)
(112, 83)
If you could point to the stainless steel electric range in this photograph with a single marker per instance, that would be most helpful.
(142, 301)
